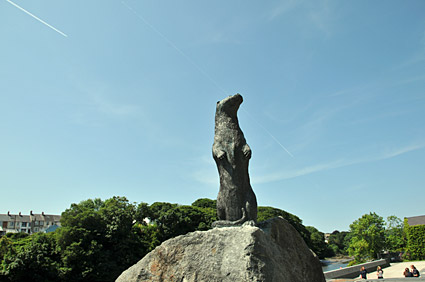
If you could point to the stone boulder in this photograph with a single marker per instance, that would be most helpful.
(274, 251)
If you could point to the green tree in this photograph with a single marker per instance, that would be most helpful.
(5, 245)
(367, 237)
(205, 203)
(158, 209)
(143, 212)
(17, 236)
(5, 248)
(33, 258)
(394, 235)
(318, 244)
(180, 220)
(100, 239)
(150, 235)
(339, 242)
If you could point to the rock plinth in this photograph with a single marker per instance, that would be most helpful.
(274, 251)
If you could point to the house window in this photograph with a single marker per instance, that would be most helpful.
(11, 223)
(36, 229)
(24, 224)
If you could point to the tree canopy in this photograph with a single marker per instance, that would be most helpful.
(318, 244)
(367, 237)
(100, 239)
(394, 234)
(339, 242)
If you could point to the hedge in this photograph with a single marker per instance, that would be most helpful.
(415, 236)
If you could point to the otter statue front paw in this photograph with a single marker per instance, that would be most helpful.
(221, 155)
(247, 151)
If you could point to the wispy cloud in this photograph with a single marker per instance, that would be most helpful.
(283, 8)
(314, 121)
(222, 36)
(206, 176)
(174, 46)
(394, 152)
(96, 105)
(410, 79)
(321, 17)
(316, 15)
(37, 18)
(416, 57)
(204, 171)
(104, 105)
(289, 174)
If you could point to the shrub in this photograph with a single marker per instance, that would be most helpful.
(415, 236)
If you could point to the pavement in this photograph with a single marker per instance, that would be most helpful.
(395, 270)
(393, 273)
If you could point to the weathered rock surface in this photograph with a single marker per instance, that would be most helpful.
(273, 252)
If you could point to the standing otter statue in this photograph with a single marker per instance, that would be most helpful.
(272, 251)
(236, 202)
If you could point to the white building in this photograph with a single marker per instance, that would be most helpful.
(32, 223)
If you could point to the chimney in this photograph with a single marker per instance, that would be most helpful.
(20, 214)
(42, 213)
(8, 213)
(31, 213)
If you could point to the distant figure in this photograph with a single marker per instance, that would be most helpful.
(407, 273)
(415, 272)
(363, 273)
(380, 272)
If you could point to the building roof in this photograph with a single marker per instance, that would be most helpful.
(29, 218)
(15, 217)
(416, 220)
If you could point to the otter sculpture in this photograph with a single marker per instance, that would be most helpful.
(236, 202)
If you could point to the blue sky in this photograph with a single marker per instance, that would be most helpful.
(103, 98)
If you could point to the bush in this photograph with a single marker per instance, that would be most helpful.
(415, 241)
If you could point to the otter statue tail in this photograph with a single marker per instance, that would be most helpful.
(242, 221)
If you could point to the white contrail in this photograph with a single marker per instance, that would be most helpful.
(199, 68)
(174, 46)
(269, 133)
(37, 18)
